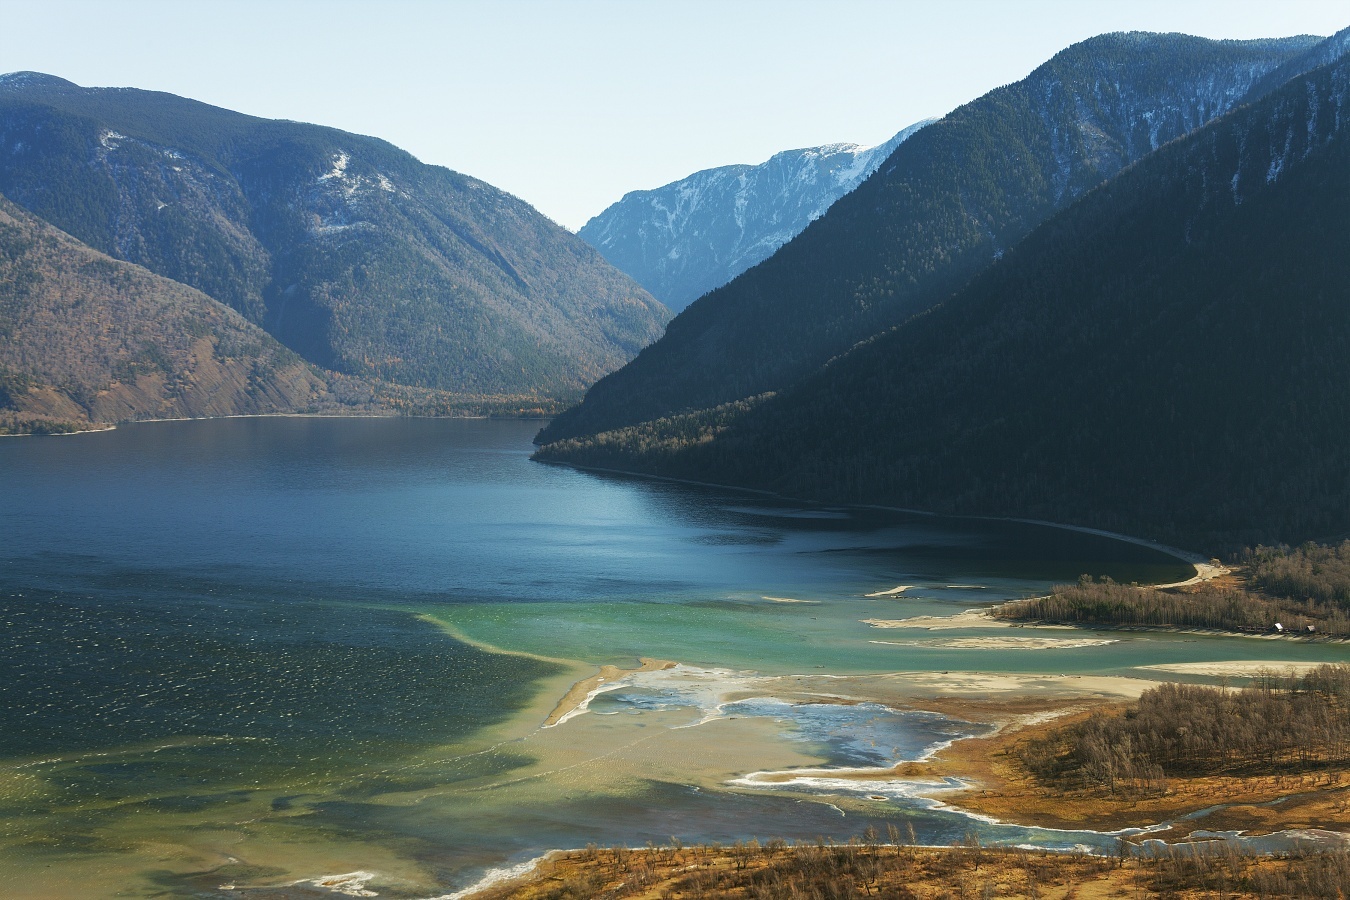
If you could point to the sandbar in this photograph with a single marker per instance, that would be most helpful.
(582, 692)
(1234, 668)
(891, 593)
(1005, 643)
(971, 618)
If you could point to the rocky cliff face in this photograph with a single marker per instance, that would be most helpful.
(686, 238)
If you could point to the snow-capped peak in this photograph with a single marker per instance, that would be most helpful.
(687, 237)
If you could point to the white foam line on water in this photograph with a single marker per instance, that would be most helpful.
(494, 877)
(829, 782)
(585, 704)
(352, 884)
(914, 790)
(712, 715)
(891, 593)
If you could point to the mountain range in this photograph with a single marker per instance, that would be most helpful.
(948, 202)
(1163, 355)
(350, 252)
(690, 236)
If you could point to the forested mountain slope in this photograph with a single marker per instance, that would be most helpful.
(949, 201)
(347, 249)
(686, 238)
(1167, 357)
(87, 339)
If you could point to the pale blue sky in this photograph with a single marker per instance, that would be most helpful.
(569, 104)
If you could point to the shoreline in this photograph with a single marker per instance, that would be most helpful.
(278, 415)
(1191, 558)
(579, 696)
(982, 618)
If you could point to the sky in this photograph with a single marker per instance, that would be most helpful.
(569, 104)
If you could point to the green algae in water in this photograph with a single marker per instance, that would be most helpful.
(141, 701)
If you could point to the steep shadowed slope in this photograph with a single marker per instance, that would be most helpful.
(949, 201)
(1166, 357)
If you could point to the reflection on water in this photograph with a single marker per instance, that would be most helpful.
(247, 652)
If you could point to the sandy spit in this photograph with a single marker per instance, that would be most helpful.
(1234, 668)
(1005, 643)
(584, 690)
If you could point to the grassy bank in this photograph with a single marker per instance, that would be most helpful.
(867, 867)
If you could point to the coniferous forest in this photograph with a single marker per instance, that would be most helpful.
(1163, 358)
(956, 196)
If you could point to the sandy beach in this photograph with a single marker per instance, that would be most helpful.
(1234, 668)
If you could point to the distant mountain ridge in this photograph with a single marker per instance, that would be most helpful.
(346, 249)
(948, 202)
(1165, 357)
(683, 239)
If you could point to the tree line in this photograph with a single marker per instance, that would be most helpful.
(1275, 725)
(1299, 588)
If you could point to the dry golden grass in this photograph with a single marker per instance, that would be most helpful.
(863, 869)
(1006, 790)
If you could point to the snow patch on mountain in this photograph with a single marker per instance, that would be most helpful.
(690, 236)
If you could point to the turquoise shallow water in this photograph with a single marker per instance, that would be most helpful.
(251, 651)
